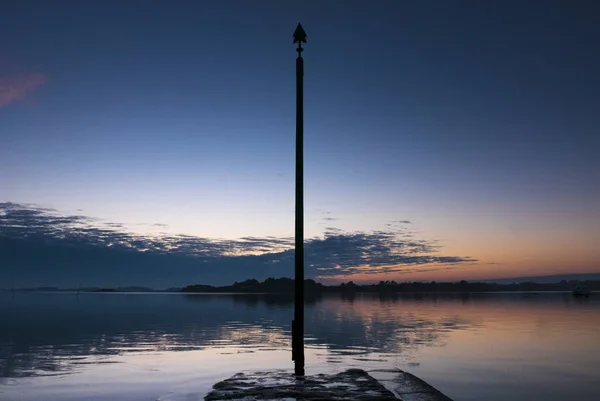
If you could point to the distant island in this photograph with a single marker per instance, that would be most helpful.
(95, 289)
(285, 285)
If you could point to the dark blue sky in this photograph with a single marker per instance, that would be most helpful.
(477, 121)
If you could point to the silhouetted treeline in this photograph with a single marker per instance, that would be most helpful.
(271, 285)
(286, 285)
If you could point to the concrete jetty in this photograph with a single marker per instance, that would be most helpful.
(353, 384)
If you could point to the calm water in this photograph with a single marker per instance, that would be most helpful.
(175, 346)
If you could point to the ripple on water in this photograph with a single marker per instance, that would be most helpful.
(136, 339)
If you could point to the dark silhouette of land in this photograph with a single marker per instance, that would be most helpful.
(556, 278)
(98, 289)
(285, 285)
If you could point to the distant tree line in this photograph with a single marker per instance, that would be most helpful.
(271, 285)
(286, 285)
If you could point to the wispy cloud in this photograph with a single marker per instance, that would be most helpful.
(333, 254)
(16, 87)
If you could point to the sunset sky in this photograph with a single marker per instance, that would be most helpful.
(466, 134)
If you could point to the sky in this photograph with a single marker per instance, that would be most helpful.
(443, 140)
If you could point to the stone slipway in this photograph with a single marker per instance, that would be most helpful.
(407, 387)
(353, 384)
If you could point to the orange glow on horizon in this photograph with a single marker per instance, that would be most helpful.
(478, 271)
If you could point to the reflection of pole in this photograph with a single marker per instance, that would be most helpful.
(298, 323)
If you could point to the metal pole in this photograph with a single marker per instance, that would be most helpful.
(298, 323)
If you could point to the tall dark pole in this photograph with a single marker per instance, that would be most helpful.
(298, 323)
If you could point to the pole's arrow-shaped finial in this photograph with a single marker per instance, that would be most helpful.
(299, 35)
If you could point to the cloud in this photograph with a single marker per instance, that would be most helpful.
(15, 88)
(49, 240)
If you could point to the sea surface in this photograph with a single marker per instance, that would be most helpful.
(118, 346)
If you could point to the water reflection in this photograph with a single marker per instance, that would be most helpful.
(471, 346)
(58, 333)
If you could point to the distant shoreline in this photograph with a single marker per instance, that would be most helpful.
(290, 294)
(286, 286)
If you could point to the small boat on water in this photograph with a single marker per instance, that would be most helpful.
(581, 291)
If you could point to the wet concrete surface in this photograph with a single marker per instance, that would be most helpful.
(353, 384)
(407, 387)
